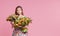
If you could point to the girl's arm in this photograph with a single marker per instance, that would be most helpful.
(12, 23)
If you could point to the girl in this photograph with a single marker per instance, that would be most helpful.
(19, 13)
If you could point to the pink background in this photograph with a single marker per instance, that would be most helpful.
(45, 15)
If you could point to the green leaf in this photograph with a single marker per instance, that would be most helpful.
(23, 23)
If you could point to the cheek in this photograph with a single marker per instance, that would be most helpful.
(19, 11)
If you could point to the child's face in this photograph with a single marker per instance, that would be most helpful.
(19, 11)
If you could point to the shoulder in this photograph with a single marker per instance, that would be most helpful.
(14, 15)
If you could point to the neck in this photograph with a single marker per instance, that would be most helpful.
(20, 15)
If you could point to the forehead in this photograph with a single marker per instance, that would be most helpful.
(18, 8)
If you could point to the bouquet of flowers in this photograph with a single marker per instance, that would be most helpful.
(21, 22)
(12, 17)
